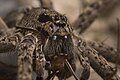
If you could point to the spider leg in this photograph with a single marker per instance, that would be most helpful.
(52, 75)
(106, 51)
(39, 61)
(98, 63)
(86, 66)
(88, 16)
(25, 54)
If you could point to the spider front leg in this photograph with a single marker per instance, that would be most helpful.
(98, 63)
(108, 52)
(39, 61)
(86, 66)
(25, 54)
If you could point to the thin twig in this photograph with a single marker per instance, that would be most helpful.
(71, 70)
(91, 12)
(46, 4)
(118, 41)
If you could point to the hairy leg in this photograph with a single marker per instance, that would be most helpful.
(86, 66)
(39, 61)
(106, 51)
(25, 54)
(98, 63)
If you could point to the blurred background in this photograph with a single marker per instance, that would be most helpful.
(104, 27)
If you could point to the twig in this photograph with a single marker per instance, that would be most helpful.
(118, 41)
(46, 4)
(89, 15)
(3, 27)
(71, 70)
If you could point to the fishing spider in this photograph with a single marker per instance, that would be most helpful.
(44, 42)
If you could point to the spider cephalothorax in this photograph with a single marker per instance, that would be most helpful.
(59, 43)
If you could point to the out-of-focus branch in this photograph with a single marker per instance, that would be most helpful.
(88, 16)
(109, 53)
(7, 72)
(4, 30)
(3, 27)
(118, 41)
(28, 3)
(12, 17)
(15, 15)
(46, 4)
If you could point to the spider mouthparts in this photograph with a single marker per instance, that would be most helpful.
(55, 37)
(63, 54)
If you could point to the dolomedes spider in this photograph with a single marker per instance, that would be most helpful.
(44, 40)
(43, 35)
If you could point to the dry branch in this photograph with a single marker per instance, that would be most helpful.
(89, 15)
(46, 4)
(3, 27)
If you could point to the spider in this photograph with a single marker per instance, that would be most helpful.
(43, 37)
(44, 41)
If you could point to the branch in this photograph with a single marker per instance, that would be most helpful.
(89, 15)
(46, 4)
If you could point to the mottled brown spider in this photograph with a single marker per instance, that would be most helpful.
(44, 41)
(43, 36)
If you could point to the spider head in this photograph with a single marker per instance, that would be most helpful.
(59, 28)
(58, 23)
(53, 16)
(60, 20)
(59, 41)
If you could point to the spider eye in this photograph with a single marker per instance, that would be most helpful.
(56, 18)
(64, 18)
(54, 37)
(51, 26)
(66, 37)
(44, 18)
